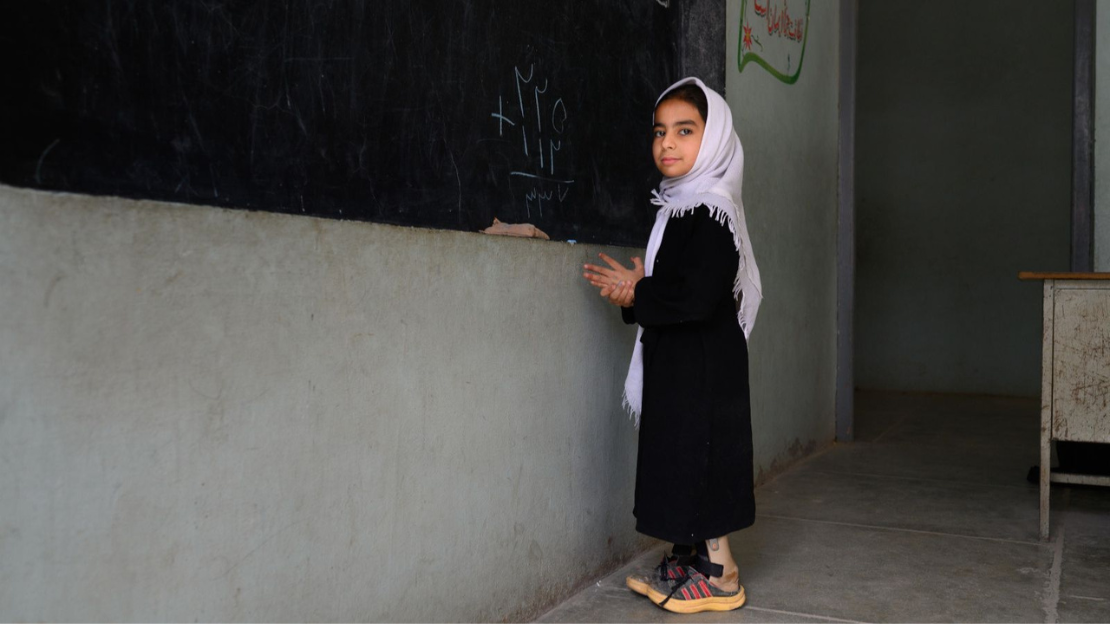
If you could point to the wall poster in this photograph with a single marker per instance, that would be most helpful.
(773, 36)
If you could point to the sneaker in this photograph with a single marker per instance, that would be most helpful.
(671, 568)
(693, 593)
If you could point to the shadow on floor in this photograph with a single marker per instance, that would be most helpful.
(926, 517)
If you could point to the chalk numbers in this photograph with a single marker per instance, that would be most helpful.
(536, 120)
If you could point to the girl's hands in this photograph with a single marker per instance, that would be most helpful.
(616, 283)
(624, 295)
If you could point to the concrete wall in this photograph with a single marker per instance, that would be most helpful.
(222, 415)
(1102, 135)
(963, 179)
(789, 134)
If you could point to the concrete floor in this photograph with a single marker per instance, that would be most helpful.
(927, 517)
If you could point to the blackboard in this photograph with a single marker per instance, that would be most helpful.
(438, 114)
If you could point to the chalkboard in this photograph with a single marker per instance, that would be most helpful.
(438, 114)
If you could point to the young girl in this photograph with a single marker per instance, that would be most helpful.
(695, 301)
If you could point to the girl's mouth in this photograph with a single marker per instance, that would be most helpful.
(669, 161)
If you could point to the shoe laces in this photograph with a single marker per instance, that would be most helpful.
(677, 563)
(689, 575)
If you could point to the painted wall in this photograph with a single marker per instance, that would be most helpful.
(223, 415)
(789, 133)
(963, 179)
(1102, 135)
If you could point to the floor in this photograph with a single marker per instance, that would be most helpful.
(926, 517)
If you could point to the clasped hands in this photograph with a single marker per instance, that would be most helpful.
(616, 283)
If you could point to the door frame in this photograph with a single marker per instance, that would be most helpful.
(1083, 139)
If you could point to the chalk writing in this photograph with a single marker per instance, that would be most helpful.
(772, 34)
(539, 122)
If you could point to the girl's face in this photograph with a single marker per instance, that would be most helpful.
(678, 131)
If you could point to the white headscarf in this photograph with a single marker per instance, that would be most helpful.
(714, 181)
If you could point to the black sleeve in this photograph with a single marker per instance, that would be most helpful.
(629, 315)
(697, 266)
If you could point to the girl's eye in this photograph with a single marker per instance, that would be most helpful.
(685, 131)
(657, 134)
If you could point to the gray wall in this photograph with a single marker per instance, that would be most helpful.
(222, 415)
(789, 133)
(963, 179)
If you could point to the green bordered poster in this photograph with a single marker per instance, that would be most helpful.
(773, 36)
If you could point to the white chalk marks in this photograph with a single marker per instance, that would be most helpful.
(536, 121)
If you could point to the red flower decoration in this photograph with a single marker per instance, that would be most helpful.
(747, 37)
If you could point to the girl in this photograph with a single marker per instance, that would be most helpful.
(695, 301)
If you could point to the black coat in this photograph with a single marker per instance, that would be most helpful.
(694, 467)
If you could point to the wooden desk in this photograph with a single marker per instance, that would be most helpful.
(1075, 370)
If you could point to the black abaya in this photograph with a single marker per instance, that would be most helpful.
(694, 467)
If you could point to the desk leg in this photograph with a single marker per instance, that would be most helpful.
(1046, 401)
(1046, 466)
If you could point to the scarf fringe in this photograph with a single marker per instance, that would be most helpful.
(723, 215)
(633, 413)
